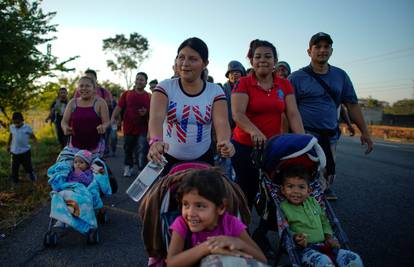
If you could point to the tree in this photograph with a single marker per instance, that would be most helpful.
(115, 89)
(50, 90)
(401, 107)
(129, 54)
(23, 29)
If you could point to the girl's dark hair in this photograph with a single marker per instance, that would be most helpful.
(208, 183)
(198, 45)
(17, 116)
(259, 43)
(89, 79)
(295, 170)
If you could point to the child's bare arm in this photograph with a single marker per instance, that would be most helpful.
(177, 256)
(33, 137)
(9, 142)
(244, 243)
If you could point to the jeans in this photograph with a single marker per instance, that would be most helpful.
(344, 258)
(137, 143)
(113, 140)
(247, 176)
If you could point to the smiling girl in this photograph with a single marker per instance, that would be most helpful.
(206, 224)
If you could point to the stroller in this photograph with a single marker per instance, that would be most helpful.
(160, 197)
(74, 204)
(278, 152)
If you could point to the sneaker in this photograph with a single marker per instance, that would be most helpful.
(33, 177)
(330, 194)
(127, 171)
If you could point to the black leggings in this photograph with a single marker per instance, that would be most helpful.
(247, 176)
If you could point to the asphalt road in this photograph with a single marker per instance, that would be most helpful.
(375, 207)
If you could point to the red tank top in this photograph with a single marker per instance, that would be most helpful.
(84, 121)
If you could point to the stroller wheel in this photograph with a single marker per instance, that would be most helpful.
(50, 239)
(102, 217)
(53, 239)
(92, 237)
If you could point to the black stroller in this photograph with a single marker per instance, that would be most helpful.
(270, 160)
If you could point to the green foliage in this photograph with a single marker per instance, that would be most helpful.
(114, 88)
(129, 54)
(24, 28)
(401, 107)
(49, 91)
(373, 103)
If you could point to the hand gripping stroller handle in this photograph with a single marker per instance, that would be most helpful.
(257, 156)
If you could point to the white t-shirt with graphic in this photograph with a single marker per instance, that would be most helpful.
(187, 126)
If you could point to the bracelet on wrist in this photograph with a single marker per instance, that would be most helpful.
(154, 139)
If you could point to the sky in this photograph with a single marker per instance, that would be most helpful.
(373, 40)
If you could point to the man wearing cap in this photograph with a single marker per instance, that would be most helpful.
(320, 89)
(235, 70)
(282, 69)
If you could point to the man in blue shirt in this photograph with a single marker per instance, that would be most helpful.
(320, 89)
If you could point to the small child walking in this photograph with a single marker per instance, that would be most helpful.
(205, 223)
(82, 171)
(309, 223)
(19, 147)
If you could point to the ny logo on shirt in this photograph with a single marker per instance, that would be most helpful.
(181, 125)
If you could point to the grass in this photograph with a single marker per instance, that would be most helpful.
(17, 202)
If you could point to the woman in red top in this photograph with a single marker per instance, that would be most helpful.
(86, 118)
(258, 101)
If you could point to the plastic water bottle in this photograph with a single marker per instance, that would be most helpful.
(145, 179)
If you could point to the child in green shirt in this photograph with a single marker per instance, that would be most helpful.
(309, 223)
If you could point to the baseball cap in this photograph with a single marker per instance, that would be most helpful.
(320, 36)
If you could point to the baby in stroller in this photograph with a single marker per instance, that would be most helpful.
(200, 223)
(309, 224)
(78, 179)
(292, 199)
(82, 171)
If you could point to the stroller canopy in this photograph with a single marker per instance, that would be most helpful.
(290, 147)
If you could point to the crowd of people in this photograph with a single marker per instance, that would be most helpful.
(189, 118)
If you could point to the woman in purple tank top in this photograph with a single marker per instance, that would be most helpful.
(86, 117)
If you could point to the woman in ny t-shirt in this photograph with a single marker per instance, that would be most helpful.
(184, 109)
